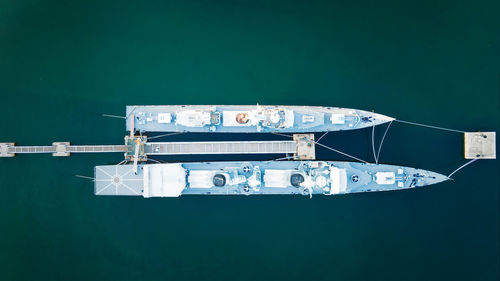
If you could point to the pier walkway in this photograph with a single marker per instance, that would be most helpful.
(136, 148)
(220, 147)
(58, 149)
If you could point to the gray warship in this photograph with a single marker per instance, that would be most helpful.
(248, 118)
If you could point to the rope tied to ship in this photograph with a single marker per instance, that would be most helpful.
(459, 168)
(429, 126)
(329, 148)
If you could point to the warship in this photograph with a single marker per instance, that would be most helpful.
(248, 118)
(258, 177)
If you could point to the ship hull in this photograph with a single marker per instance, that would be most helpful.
(258, 178)
(254, 119)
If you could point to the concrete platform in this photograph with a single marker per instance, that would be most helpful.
(61, 149)
(305, 146)
(479, 145)
(5, 151)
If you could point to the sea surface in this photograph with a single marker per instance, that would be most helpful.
(65, 63)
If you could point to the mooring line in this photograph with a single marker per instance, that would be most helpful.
(284, 158)
(85, 177)
(470, 162)
(154, 160)
(373, 144)
(382, 141)
(429, 126)
(165, 135)
(128, 115)
(274, 133)
(323, 135)
(330, 148)
(340, 152)
(114, 116)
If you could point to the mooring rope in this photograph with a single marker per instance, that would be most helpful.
(382, 141)
(327, 147)
(85, 177)
(373, 144)
(340, 152)
(165, 135)
(113, 116)
(154, 160)
(429, 126)
(128, 115)
(284, 158)
(463, 166)
(282, 135)
(323, 135)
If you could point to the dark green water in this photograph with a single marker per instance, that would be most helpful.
(63, 64)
